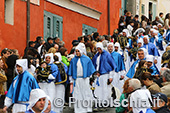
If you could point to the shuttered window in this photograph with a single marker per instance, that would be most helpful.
(53, 25)
(87, 30)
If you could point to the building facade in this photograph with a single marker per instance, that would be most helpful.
(66, 19)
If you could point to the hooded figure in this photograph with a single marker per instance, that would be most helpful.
(80, 70)
(35, 96)
(60, 81)
(82, 47)
(59, 56)
(105, 65)
(151, 65)
(49, 87)
(119, 49)
(120, 70)
(133, 67)
(20, 88)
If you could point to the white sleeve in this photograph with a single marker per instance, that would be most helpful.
(51, 77)
(7, 102)
(71, 79)
(111, 74)
(122, 72)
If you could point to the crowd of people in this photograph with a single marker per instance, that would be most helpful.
(132, 64)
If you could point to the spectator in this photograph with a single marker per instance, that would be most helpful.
(3, 87)
(166, 83)
(56, 40)
(52, 50)
(121, 24)
(64, 54)
(161, 19)
(49, 43)
(167, 21)
(11, 61)
(5, 53)
(156, 21)
(160, 105)
(38, 42)
(147, 80)
(139, 94)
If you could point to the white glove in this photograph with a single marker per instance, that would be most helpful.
(51, 77)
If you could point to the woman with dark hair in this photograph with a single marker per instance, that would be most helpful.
(142, 67)
(167, 21)
(64, 54)
(143, 21)
(121, 24)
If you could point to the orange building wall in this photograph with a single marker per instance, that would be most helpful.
(15, 36)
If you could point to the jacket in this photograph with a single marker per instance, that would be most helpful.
(3, 79)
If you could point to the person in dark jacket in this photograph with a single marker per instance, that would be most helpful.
(162, 99)
(49, 43)
(37, 42)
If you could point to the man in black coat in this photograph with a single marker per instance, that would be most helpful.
(160, 103)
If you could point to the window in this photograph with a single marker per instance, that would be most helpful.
(9, 12)
(143, 9)
(53, 25)
(87, 30)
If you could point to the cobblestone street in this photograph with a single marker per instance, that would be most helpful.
(70, 110)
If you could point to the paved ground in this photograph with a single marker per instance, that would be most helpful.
(69, 110)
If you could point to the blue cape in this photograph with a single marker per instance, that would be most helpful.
(118, 59)
(107, 63)
(155, 70)
(25, 82)
(131, 71)
(168, 35)
(159, 42)
(58, 78)
(152, 50)
(88, 68)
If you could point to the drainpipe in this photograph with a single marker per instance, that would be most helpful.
(28, 21)
(108, 17)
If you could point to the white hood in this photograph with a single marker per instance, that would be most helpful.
(23, 63)
(110, 43)
(82, 47)
(100, 45)
(59, 56)
(119, 49)
(35, 95)
(150, 58)
(51, 56)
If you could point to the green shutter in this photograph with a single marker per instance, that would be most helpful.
(87, 30)
(153, 11)
(143, 9)
(53, 25)
(58, 26)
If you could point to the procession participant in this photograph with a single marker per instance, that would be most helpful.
(48, 85)
(81, 67)
(120, 70)
(151, 65)
(141, 56)
(19, 91)
(152, 50)
(38, 101)
(60, 82)
(105, 65)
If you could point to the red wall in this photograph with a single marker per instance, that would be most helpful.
(15, 36)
